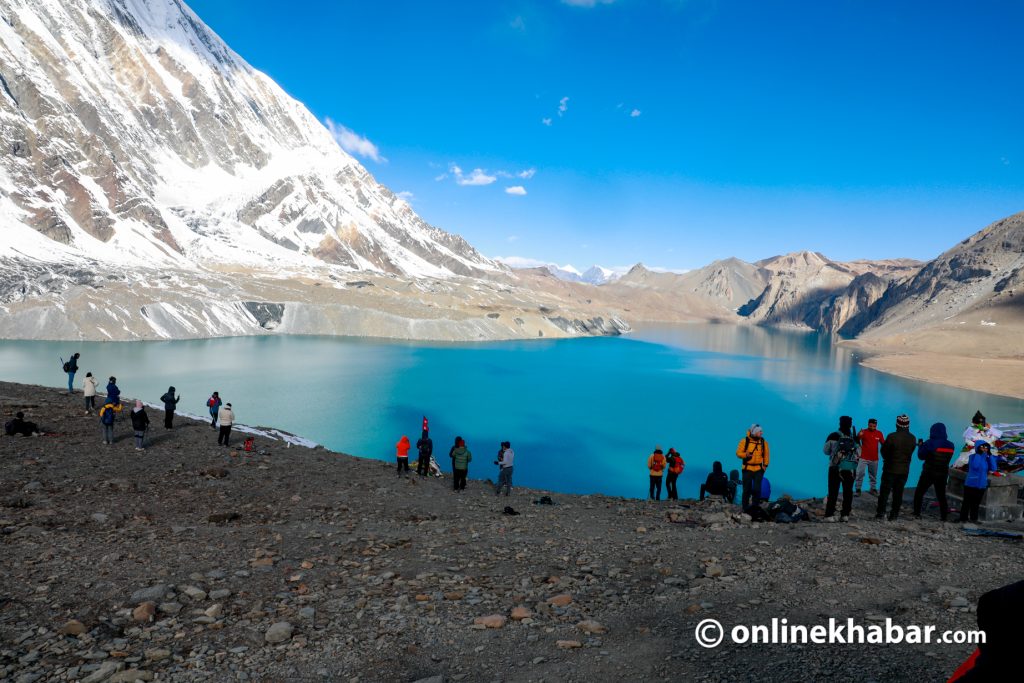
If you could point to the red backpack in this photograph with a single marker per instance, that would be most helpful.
(658, 464)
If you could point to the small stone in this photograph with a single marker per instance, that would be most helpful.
(130, 676)
(106, 670)
(491, 621)
(171, 608)
(307, 613)
(279, 632)
(568, 644)
(214, 611)
(560, 600)
(154, 593)
(713, 571)
(99, 517)
(641, 530)
(220, 594)
(73, 628)
(454, 595)
(693, 609)
(422, 597)
(157, 654)
(521, 612)
(591, 626)
(959, 601)
(144, 612)
(195, 593)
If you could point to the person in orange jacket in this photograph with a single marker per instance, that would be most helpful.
(656, 464)
(402, 450)
(675, 468)
(753, 451)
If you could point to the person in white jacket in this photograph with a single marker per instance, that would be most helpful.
(226, 418)
(981, 430)
(89, 391)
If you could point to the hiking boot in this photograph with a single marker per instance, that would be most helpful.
(844, 518)
(829, 519)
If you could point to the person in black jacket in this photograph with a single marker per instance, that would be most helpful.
(717, 484)
(936, 453)
(140, 423)
(72, 368)
(843, 453)
(425, 448)
(21, 427)
(897, 452)
(170, 404)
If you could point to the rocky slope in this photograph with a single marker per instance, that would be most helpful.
(192, 562)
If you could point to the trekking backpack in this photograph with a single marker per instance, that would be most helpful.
(658, 464)
(846, 454)
(67, 366)
(107, 417)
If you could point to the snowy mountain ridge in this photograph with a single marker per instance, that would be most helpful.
(136, 136)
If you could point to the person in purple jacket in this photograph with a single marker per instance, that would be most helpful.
(981, 462)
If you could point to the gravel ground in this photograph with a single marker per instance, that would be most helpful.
(193, 562)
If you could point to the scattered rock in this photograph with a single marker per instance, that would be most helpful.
(152, 594)
(144, 612)
(73, 628)
(568, 644)
(279, 632)
(491, 621)
(591, 626)
(520, 612)
(560, 600)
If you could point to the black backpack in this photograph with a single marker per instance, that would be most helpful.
(67, 366)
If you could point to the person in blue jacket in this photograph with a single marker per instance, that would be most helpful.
(981, 462)
(114, 394)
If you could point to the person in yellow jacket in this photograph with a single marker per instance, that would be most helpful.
(656, 465)
(753, 451)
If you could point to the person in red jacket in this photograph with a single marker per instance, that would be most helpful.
(402, 450)
(870, 439)
(675, 468)
(998, 617)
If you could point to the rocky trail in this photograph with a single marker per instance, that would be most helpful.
(193, 562)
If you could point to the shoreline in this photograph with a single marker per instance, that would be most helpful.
(193, 562)
(998, 376)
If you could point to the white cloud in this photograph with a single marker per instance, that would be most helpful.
(476, 177)
(587, 3)
(352, 142)
(546, 121)
(635, 113)
(517, 190)
(512, 238)
(527, 174)
(563, 106)
(518, 24)
(405, 195)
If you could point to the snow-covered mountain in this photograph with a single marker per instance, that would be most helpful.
(595, 275)
(133, 135)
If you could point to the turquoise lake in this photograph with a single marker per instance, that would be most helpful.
(582, 414)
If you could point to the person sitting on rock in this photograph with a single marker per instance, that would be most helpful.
(981, 430)
(734, 485)
(656, 467)
(717, 484)
(20, 427)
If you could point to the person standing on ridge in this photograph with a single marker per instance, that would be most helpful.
(425, 448)
(870, 439)
(226, 417)
(461, 457)
(936, 452)
(843, 455)
(140, 423)
(753, 451)
(506, 459)
(71, 367)
(979, 465)
(107, 421)
(114, 394)
(656, 467)
(897, 451)
(89, 391)
(402, 453)
(170, 404)
(675, 468)
(981, 430)
(213, 405)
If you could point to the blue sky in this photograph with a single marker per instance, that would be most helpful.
(672, 132)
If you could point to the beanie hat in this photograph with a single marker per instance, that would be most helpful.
(903, 421)
(978, 419)
(755, 430)
(845, 423)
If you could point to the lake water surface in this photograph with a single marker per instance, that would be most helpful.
(582, 414)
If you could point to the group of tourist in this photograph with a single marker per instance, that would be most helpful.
(851, 455)
(460, 456)
(222, 415)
